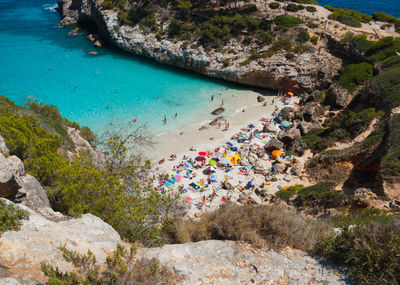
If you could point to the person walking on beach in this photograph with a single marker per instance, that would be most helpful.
(165, 119)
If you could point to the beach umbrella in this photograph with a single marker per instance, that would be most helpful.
(286, 124)
(290, 93)
(188, 199)
(200, 158)
(276, 153)
(213, 177)
(178, 177)
(202, 153)
(212, 168)
(212, 162)
(224, 160)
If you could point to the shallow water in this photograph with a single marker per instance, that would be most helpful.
(39, 59)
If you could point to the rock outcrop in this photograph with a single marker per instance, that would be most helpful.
(228, 262)
(304, 72)
(23, 251)
(17, 186)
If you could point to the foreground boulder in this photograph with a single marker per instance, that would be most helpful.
(37, 241)
(229, 262)
(17, 186)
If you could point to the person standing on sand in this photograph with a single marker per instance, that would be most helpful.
(212, 97)
(222, 103)
(165, 119)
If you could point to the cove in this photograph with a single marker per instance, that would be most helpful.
(39, 59)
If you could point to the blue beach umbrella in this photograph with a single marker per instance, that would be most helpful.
(285, 124)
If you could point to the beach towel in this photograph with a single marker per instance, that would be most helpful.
(195, 186)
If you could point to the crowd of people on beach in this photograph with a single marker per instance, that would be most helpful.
(203, 178)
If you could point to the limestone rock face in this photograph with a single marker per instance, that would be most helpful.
(262, 167)
(3, 146)
(17, 186)
(228, 262)
(37, 241)
(338, 97)
(304, 72)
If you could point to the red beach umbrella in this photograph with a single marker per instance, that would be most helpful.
(202, 153)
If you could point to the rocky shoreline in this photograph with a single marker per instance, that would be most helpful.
(305, 72)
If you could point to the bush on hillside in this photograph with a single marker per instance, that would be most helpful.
(260, 225)
(338, 13)
(274, 5)
(382, 17)
(355, 74)
(121, 268)
(10, 217)
(120, 191)
(303, 36)
(371, 252)
(386, 87)
(107, 4)
(287, 21)
(311, 9)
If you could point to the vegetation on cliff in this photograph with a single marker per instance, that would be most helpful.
(11, 217)
(118, 190)
(122, 267)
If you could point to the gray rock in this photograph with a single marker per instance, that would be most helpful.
(31, 192)
(228, 262)
(16, 165)
(218, 111)
(262, 167)
(274, 144)
(215, 122)
(260, 99)
(338, 97)
(38, 239)
(3, 146)
(254, 199)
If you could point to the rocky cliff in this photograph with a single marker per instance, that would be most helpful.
(306, 71)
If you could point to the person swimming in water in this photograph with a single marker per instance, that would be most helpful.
(176, 115)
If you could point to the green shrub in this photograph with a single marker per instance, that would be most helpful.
(361, 217)
(274, 5)
(355, 74)
(289, 56)
(249, 8)
(226, 62)
(10, 217)
(303, 36)
(88, 135)
(280, 44)
(338, 13)
(264, 37)
(382, 17)
(322, 194)
(121, 268)
(287, 21)
(314, 40)
(386, 87)
(371, 252)
(359, 43)
(292, 7)
(286, 194)
(311, 9)
(107, 4)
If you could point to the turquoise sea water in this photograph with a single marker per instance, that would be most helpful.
(39, 59)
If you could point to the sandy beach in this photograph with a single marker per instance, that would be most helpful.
(211, 165)
(198, 135)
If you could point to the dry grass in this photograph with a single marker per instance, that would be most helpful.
(263, 226)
